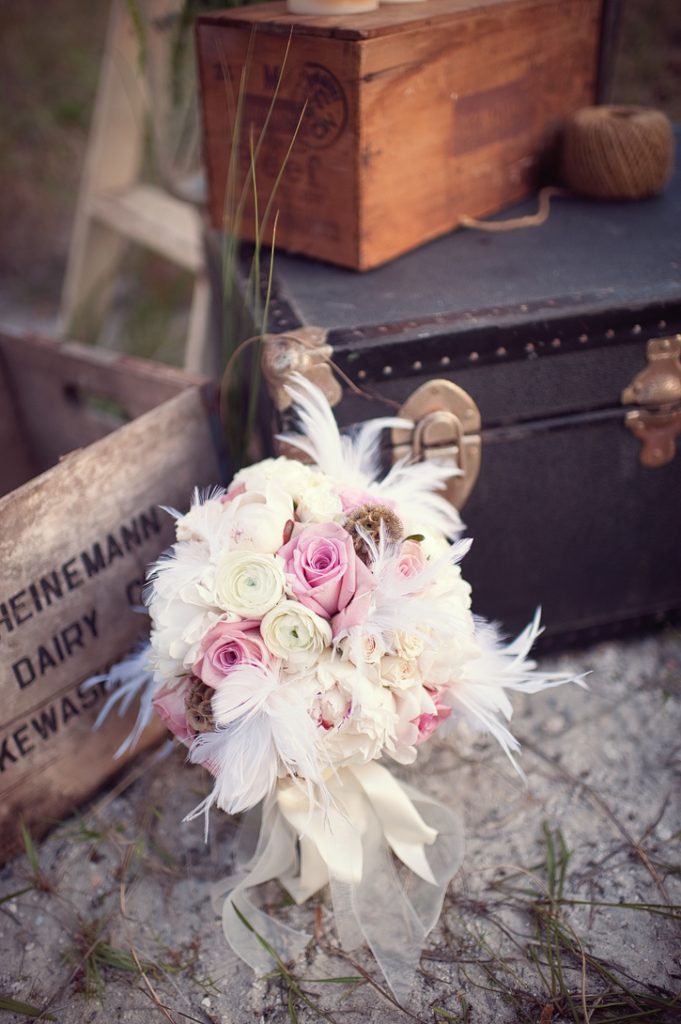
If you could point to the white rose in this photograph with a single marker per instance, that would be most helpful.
(408, 646)
(249, 583)
(363, 648)
(319, 504)
(398, 672)
(355, 714)
(292, 476)
(296, 633)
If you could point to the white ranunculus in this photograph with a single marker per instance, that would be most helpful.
(248, 583)
(319, 503)
(295, 633)
(433, 545)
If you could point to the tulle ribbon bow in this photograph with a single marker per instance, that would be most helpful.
(391, 903)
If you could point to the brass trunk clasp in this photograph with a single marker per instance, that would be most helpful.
(303, 351)
(446, 428)
(657, 388)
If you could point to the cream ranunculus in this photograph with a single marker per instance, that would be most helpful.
(248, 583)
(295, 633)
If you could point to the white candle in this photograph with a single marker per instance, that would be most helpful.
(331, 7)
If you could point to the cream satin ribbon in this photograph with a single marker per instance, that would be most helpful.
(347, 843)
(331, 838)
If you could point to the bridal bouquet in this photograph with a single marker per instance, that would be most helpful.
(310, 625)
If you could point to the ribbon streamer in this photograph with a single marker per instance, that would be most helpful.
(347, 844)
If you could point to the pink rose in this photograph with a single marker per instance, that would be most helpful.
(428, 723)
(322, 570)
(228, 645)
(357, 612)
(169, 705)
(411, 559)
(353, 497)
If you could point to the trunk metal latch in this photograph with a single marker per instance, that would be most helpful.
(445, 417)
(446, 428)
(658, 389)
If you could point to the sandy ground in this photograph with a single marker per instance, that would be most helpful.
(566, 908)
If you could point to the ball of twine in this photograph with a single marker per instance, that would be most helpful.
(616, 152)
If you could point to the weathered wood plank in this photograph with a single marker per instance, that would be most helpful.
(70, 395)
(16, 464)
(75, 543)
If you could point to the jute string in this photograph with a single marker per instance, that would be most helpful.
(608, 152)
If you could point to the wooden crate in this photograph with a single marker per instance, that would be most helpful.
(111, 438)
(416, 114)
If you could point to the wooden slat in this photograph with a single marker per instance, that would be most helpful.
(69, 395)
(74, 547)
(16, 462)
(153, 218)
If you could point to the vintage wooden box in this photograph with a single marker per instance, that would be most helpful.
(111, 439)
(416, 114)
(565, 338)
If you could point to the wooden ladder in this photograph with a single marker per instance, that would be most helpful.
(114, 207)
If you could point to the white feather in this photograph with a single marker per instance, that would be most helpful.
(480, 689)
(130, 679)
(407, 603)
(351, 461)
(416, 489)
(264, 729)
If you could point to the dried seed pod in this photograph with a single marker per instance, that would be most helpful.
(200, 707)
(365, 521)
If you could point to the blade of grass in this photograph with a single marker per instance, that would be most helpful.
(13, 895)
(16, 1006)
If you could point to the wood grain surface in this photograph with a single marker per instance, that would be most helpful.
(75, 543)
(417, 114)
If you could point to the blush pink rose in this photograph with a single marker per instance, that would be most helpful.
(428, 723)
(227, 646)
(322, 570)
(411, 560)
(353, 497)
(357, 612)
(169, 705)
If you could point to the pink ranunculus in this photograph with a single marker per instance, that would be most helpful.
(322, 570)
(353, 497)
(428, 723)
(169, 705)
(229, 645)
(412, 559)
